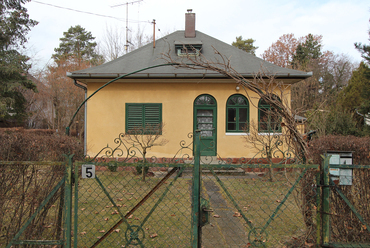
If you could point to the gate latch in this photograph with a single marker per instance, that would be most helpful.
(205, 212)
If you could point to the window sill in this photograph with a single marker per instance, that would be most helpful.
(236, 134)
(270, 134)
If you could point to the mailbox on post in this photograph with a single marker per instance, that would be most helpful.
(339, 175)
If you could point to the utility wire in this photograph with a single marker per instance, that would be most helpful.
(85, 12)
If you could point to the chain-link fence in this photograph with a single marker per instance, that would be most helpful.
(26, 217)
(349, 205)
(192, 201)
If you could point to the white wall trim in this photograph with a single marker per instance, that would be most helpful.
(236, 134)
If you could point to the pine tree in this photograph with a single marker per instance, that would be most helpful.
(307, 51)
(356, 96)
(364, 49)
(245, 45)
(77, 44)
(14, 25)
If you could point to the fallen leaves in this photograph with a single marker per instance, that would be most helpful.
(216, 216)
(154, 235)
(237, 214)
(309, 244)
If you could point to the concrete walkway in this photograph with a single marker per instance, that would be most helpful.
(224, 230)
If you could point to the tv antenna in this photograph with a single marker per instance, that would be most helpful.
(127, 3)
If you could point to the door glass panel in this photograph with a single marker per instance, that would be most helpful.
(204, 112)
(204, 100)
(204, 119)
(205, 122)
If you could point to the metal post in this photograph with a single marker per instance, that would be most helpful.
(68, 202)
(196, 229)
(318, 209)
(326, 203)
(75, 221)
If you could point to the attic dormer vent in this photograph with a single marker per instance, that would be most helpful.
(193, 49)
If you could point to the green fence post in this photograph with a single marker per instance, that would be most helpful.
(318, 209)
(196, 229)
(75, 221)
(68, 202)
(326, 203)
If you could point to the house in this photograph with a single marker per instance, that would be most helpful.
(181, 98)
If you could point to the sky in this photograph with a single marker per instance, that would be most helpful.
(340, 22)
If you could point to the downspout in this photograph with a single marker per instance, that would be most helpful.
(85, 113)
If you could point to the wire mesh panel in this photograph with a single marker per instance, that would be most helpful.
(31, 204)
(259, 207)
(350, 209)
(121, 208)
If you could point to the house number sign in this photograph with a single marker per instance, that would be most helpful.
(88, 171)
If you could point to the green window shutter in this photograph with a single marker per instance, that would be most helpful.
(134, 116)
(140, 115)
(152, 113)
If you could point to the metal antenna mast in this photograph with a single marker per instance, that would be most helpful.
(127, 3)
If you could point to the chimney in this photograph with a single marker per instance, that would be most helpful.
(190, 24)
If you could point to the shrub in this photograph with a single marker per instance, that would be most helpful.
(21, 145)
(360, 146)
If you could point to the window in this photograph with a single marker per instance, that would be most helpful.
(193, 49)
(269, 120)
(237, 114)
(143, 117)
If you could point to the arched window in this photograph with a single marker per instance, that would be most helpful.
(269, 120)
(237, 114)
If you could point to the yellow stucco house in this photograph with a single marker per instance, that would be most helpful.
(182, 99)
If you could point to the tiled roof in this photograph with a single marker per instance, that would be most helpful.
(244, 63)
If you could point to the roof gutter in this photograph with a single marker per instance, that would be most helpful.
(174, 75)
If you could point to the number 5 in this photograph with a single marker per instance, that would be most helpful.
(88, 171)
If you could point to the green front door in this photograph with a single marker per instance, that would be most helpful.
(205, 116)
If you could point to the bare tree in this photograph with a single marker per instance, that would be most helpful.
(144, 138)
(113, 44)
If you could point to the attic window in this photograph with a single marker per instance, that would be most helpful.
(188, 49)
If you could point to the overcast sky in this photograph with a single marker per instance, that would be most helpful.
(340, 22)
